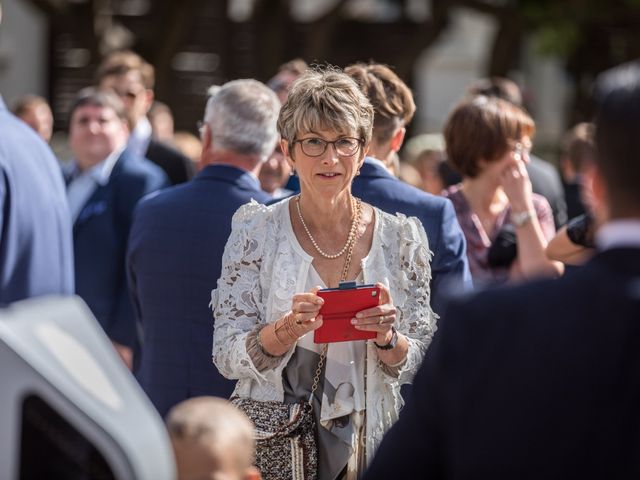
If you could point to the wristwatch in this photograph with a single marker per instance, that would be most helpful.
(392, 343)
(521, 218)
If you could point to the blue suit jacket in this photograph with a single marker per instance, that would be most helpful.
(174, 261)
(36, 250)
(449, 267)
(529, 382)
(100, 235)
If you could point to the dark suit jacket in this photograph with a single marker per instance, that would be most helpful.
(178, 167)
(449, 267)
(36, 252)
(540, 381)
(100, 235)
(174, 261)
(573, 198)
(545, 181)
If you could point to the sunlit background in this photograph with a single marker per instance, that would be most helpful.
(553, 49)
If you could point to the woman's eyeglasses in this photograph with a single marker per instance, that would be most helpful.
(344, 146)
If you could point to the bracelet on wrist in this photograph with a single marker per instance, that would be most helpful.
(293, 336)
(392, 343)
(261, 346)
(275, 333)
(520, 219)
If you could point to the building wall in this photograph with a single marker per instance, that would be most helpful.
(441, 75)
(24, 61)
(444, 71)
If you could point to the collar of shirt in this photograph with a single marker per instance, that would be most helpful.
(101, 172)
(83, 184)
(140, 138)
(281, 193)
(619, 233)
(255, 178)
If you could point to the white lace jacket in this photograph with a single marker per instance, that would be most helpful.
(262, 268)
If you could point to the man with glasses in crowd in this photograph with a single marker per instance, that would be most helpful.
(132, 79)
(104, 184)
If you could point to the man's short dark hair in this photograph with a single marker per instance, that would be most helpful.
(618, 135)
(392, 100)
(98, 98)
(578, 145)
(497, 87)
(122, 62)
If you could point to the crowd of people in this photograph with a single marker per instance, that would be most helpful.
(205, 266)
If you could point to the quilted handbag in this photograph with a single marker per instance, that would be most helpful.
(285, 437)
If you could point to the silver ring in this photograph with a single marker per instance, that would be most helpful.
(381, 320)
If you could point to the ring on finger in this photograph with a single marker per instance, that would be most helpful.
(381, 320)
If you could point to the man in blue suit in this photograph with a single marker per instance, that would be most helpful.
(394, 108)
(131, 78)
(36, 250)
(177, 241)
(104, 185)
(542, 380)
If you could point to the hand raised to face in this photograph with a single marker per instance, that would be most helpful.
(516, 183)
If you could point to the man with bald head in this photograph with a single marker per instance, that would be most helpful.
(212, 439)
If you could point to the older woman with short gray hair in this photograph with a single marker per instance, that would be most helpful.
(266, 306)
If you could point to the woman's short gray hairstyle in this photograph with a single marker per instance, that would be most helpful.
(242, 116)
(325, 99)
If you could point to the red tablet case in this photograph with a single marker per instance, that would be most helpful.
(340, 306)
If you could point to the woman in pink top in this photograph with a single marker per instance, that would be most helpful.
(507, 227)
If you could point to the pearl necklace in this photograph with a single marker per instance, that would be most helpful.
(352, 231)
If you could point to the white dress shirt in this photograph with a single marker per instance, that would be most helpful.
(140, 138)
(619, 234)
(83, 185)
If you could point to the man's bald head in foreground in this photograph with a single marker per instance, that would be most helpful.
(212, 440)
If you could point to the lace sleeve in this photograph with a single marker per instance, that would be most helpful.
(415, 319)
(237, 301)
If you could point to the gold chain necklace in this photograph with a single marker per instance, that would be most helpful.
(323, 355)
(350, 238)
